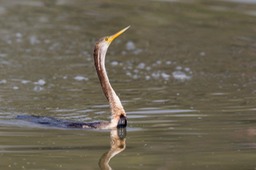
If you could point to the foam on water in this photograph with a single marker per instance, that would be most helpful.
(81, 78)
(40, 82)
(158, 70)
(3, 81)
(180, 75)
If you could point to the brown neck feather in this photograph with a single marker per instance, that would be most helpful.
(114, 101)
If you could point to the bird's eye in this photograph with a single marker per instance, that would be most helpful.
(106, 39)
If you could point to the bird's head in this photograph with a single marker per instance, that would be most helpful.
(106, 41)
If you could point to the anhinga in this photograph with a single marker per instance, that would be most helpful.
(118, 114)
(117, 111)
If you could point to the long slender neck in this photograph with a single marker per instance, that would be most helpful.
(114, 101)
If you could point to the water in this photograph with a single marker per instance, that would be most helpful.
(185, 73)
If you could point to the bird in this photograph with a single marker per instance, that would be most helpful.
(118, 114)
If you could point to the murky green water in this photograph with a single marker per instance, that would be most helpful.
(185, 72)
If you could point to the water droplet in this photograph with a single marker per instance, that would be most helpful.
(33, 40)
(114, 63)
(40, 82)
(178, 68)
(141, 66)
(15, 87)
(168, 62)
(165, 76)
(25, 81)
(179, 75)
(3, 81)
(38, 88)
(158, 62)
(130, 46)
(187, 69)
(202, 53)
(18, 35)
(81, 78)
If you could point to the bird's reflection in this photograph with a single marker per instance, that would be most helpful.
(117, 145)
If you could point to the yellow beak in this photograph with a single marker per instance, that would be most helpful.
(112, 37)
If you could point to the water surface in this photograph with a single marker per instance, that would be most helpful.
(185, 72)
